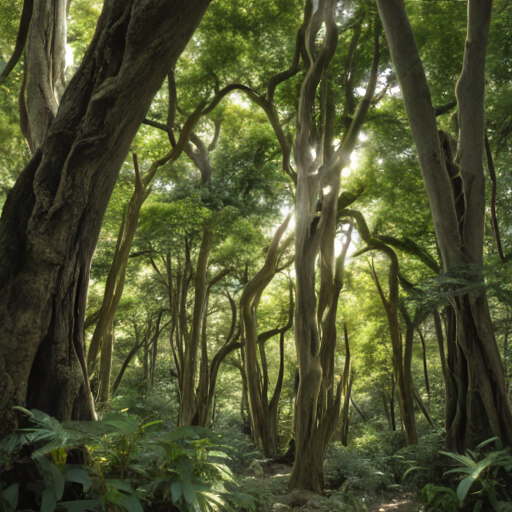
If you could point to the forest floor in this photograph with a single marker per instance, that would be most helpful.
(268, 484)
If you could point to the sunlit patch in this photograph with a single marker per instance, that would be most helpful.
(327, 190)
(70, 55)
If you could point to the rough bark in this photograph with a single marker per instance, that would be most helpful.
(52, 217)
(482, 408)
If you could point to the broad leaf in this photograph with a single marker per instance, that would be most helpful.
(463, 488)
(80, 477)
(81, 505)
(11, 495)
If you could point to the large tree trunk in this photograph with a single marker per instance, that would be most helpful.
(51, 219)
(481, 408)
(45, 62)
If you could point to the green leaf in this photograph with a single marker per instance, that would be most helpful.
(131, 503)
(80, 477)
(189, 493)
(463, 459)
(11, 495)
(151, 423)
(120, 485)
(58, 481)
(52, 476)
(81, 505)
(176, 490)
(486, 442)
(48, 501)
(463, 488)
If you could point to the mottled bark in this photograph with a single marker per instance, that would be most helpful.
(52, 217)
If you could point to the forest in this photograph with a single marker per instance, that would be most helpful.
(255, 255)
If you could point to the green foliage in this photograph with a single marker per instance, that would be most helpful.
(128, 463)
(488, 474)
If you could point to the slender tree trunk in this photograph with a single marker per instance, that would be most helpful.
(347, 388)
(425, 368)
(188, 405)
(392, 404)
(125, 364)
(263, 413)
(45, 62)
(116, 277)
(106, 366)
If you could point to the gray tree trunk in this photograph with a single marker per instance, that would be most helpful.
(481, 408)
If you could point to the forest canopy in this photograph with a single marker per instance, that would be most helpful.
(284, 223)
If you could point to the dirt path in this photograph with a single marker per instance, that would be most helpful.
(400, 504)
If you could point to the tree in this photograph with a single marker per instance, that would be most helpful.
(456, 192)
(52, 217)
(319, 166)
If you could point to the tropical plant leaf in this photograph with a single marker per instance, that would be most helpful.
(10, 495)
(463, 488)
(131, 503)
(176, 490)
(81, 505)
(48, 501)
(80, 477)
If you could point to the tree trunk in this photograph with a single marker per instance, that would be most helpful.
(319, 166)
(263, 412)
(482, 408)
(106, 366)
(188, 404)
(52, 217)
(45, 62)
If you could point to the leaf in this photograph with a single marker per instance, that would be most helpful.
(23, 410)
(52, 476)
(151, 423)
(58, 481)
(217, 453)
(120, 485)
(81, 505)
(410, 470)
(80, 477)
(463, 459)
(131, 503)
(125, 426)
(48, 501)
(463, 488)
(486, 442)
(176, 490)
(11, 495)
(189, 432)
(189, 493)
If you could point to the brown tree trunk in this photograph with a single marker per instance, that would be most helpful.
(52, 217)
(188, 404)
(482, 408)
(263, 412)
(106, 366)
